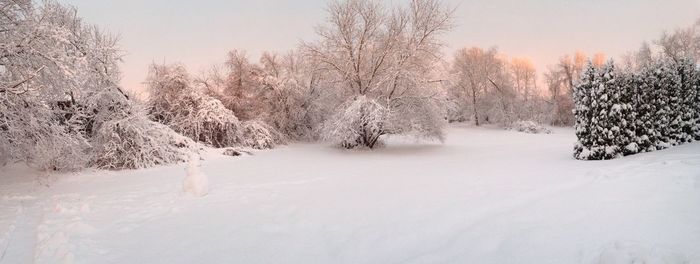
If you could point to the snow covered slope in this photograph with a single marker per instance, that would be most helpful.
(485, 196)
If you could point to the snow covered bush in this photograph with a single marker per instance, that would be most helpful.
(360, 123)
(206, 120)
(31, 132)
(175, 103)
(259, 135)
(59, 152)
(191, 112)
(530, 127)
(135, 142)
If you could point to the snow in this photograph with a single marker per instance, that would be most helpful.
(531, 127)
(196, 183)
(616, 108)
(632, 147)
(484, 196)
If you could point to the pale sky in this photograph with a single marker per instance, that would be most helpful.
(200, 33)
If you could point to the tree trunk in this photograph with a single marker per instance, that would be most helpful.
(476, 109)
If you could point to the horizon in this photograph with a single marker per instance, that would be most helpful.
(542, 32)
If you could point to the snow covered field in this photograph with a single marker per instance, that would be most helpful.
(485, 196)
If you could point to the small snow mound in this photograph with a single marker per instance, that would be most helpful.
(530, 127)
(195, 183)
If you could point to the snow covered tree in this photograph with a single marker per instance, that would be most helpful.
(674, 86)
(60, 104)
(647, 135)
(687, 111)
(622, 114)
(584, 111)
(662, 88)
(634, 112)
(606, 115)
(296, 101)
(380, 62)
(696, 83)
(664, 84)
(53, 68)
(243, 91)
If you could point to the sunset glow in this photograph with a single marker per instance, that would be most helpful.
(200, 34)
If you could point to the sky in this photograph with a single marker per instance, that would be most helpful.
(199, 34)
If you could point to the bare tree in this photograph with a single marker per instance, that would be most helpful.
(382, 59)
(560, 80)
(482, 77)
(682, 43)
(560, 97)
(524, 77)
(241, 87)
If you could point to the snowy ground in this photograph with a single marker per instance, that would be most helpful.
(485, 196)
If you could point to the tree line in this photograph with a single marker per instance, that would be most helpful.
(649, 103)
(622, 113)
(374, 71)
(61, 107)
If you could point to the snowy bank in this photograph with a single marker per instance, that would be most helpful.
(485, 196)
